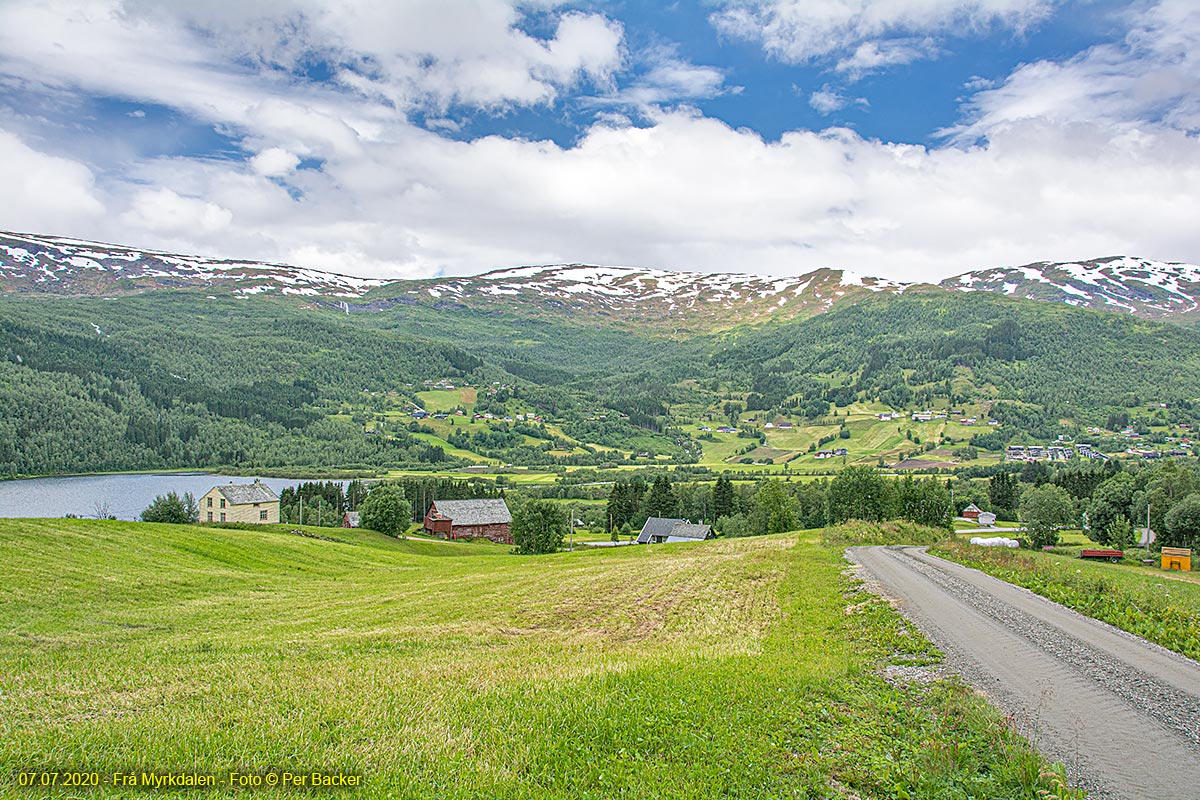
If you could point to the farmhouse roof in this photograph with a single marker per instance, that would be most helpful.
(474, 512)
(658, 526)
(239, 494)
(686, 530)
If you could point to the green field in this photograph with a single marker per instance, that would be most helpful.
(741, 668)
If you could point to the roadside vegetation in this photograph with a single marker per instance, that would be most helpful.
(739, 668)
(1146, 602)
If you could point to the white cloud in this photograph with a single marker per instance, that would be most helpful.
(162, 211)
(43, 193)
(274, 162)
(674, 189)
(668, 78)
(872, 56)
(798, 31)
(827, 101)
(1149, 78)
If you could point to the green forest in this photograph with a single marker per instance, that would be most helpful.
(179, 379)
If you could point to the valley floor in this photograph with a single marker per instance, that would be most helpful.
(741, 668)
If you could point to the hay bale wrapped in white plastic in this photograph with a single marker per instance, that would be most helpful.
(994, 541)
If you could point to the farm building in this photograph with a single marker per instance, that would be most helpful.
(470, 519)
(351, 519)
(658, 530)
(240, 502)
(972, 512)
(986, 518)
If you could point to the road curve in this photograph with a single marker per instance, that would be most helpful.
(1122, 714)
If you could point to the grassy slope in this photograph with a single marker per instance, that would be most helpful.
(742, 668)
(1163, 607)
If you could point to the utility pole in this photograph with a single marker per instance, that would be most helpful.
(301, 511)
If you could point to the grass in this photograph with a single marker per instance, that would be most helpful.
(743, 668)
(1144, 601)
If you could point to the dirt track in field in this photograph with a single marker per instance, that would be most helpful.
(1121, 713)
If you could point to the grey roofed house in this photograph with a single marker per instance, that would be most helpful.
(475, 512)
(241, 493)
(688, 532)
(657, 529)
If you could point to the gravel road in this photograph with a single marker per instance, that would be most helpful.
(1122, 714)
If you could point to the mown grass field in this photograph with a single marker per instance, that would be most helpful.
(742, 668)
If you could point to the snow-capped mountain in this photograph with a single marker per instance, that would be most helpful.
(57, 265)
(683, 301)
(670, 299)
(1151, 289)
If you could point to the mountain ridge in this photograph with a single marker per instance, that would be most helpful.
(673, 299)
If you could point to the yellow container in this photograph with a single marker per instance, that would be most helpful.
(1177, 558)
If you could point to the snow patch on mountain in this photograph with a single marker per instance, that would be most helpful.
(59, 265)
(1143, 287)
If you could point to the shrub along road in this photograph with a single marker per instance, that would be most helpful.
(1121, 713)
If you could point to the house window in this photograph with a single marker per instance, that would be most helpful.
(210, 513)
(222, 502)
(222, 516)
(262, 515)
(210, 502)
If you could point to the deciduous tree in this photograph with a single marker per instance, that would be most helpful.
(1045, 510)
(386, 509)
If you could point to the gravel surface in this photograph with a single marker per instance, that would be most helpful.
(1121, 713)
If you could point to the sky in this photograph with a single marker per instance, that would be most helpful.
(907, 139)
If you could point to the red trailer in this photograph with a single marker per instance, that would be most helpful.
(1103, 555)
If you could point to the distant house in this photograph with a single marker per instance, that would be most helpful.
(240, 502)
(351, 520)
(659, 530)
(470, 519)
(786, 425)
(986, 518)
(972, 512)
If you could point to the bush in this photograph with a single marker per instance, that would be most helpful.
(173, 509)
(859, 532)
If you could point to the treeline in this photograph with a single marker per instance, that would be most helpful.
(1110, 503)
(325, 502)
(773, 506)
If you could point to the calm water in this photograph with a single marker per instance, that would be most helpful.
(126, 495)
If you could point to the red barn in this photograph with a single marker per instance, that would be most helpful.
(972, 512)
(470, 519)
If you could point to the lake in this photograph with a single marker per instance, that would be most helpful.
(126, 495)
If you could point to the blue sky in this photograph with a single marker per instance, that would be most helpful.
(910, 139)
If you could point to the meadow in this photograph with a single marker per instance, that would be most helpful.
(742, 668)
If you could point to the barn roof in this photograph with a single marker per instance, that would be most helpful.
(658, 526)
(474, 512)
(243, 493)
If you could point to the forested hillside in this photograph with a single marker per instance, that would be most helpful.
(924, 349)
(181, 379)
